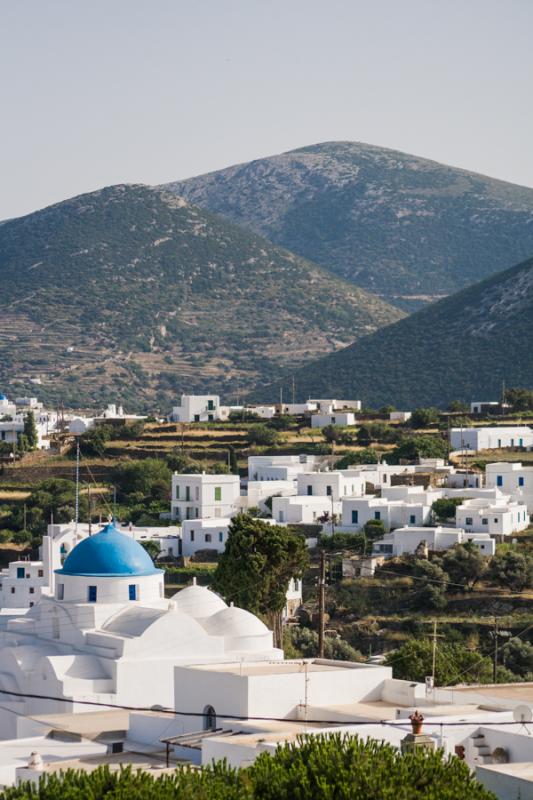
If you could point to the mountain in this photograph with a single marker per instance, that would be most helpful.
(131, 293)
(462, 348)
(403, 227)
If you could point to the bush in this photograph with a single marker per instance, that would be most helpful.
(454, 663)
(424, 417)
(445, 508)
(512, 569)
(312, 768)
(366, 456)
(262, 435)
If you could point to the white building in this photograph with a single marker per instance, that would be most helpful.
(109, 634)
(303, 510)
(281, 468)
(338, 484)
(12, 416)
(487, 438)
(298, 409)
(357, 511)
(265, 412)
(400, 416)
(342, 418)
(23, 583)
(500, 518)
(404, 541)
(329, 406)
(203, 496)
(204, 534)
(258, 492)
(513, 479)
(199, 408)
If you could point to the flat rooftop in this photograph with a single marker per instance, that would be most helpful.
(249, 668)
(87, 724)
(514, 692)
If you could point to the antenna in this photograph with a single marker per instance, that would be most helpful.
(293, 390)
(77, 485)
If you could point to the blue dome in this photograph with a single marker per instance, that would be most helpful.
(108, 554)
(2, 396)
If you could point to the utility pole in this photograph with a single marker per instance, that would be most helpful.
(321, 603)
(434, 654)
(77, 484)
(495, 665)
(89, 501)
(293, 390)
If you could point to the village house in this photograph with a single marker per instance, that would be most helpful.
(499, 518)
(487, 438)
(406, 541)
(202, 496)
(199, 408)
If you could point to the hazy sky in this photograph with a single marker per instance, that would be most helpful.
(95, 92)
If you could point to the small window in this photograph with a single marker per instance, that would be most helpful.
(91, 594)
(309, 490)
(40, 573)
(196, 492)
(21, 572)
(521, 480)
(178, 492)
(12, 590)
(377, 514)
(469, 521)
(32, 590)
(484, 521)
(221, 536)
(207, 537)
(412, 519)
(496, 520)
(355, 517)
(60, 592)
(132, 591)
(218, 494)
(499, 480)
(31, 605)
(328, 491)
(192, 536)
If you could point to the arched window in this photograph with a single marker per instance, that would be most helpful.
(210, 718)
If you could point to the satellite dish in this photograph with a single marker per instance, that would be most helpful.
(523, 714)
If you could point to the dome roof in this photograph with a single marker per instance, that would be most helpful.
(2, 396)
(235, 622)
(108, 554)
(198, 601)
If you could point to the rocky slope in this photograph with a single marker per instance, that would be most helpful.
(131, 293)
(403, 227)
(462, 347)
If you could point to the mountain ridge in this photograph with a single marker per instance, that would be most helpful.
(132, 291)
(394, 223)
(461, 348)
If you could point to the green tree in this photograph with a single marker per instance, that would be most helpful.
(303, 643)
(262, 435)
(512, 569)
(337, 434)
(454, 663)
(411, 448)
(233, 461)
(347, 767)
(93, 442)
(366, 456)
(446, 507)
(424, 417)
(465, 565)
(30, 431)
(430, 585)
(256, 566)
(458, 406)
(518, 656)
(149, 479)
(312, 768)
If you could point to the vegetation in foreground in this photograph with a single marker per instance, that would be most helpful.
(314, 768)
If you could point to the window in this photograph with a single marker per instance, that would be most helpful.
(521, 480)
(21, 572)
(355, 517)
(377, 514)
(210, 718)
(281, 517)
(91, 594)
(177, 492)
(469, 521)
(499, 480)
(40, 573)
(328, 491)
(192, 536)
(412, 519)
(31, 605)
(496, 520)
(221, 536)
(520, 442)
(32, 590)
(210, 418)
(132, 591)
(197, 417)
(309, 490)
(512, 442)
(210, 405)
(187, 494)
(218, 494)
(12, 590)
(484, 521)
(60, 591)
(196, 492)
(207, 537)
